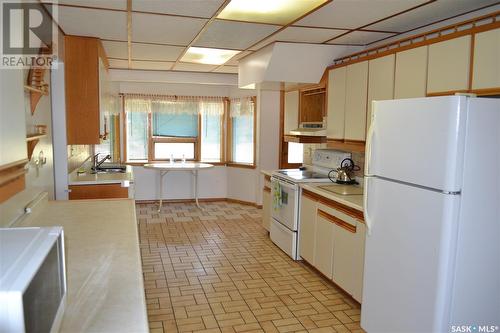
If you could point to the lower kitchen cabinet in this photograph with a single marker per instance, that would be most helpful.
(324, 245)
(267, 203)
(98, 191)
(332, 239)
(307, 227)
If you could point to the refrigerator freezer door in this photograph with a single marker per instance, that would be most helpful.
(406, 273)
(418, 141)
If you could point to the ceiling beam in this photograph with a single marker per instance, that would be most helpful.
(129, 32)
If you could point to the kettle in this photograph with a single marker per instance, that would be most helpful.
(344, 172)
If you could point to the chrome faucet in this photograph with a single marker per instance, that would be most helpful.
(96, 163)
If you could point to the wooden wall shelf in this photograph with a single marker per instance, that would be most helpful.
(36, 87)
(12, 179)
(32, 141)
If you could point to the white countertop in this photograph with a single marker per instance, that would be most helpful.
(267, 172)
(105, 284)
(101, 178)
(352, 201)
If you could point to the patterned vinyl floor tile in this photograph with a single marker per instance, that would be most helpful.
(216, 270)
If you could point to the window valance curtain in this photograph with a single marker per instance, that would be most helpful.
(241, 107)
(175, 104)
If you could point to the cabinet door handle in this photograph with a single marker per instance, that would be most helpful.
(335, 220)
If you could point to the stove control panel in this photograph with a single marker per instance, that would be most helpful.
(329, 158)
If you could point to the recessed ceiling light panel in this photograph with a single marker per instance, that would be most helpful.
(204, 55)
(268, 11)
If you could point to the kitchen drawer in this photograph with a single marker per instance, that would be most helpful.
(98, 191)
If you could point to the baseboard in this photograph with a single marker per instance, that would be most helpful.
(242, 202)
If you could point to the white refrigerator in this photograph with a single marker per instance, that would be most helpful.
(432, 198)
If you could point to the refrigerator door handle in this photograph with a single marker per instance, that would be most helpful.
(369, 143)
(366, 210)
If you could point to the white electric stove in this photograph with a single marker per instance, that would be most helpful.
(286, 192)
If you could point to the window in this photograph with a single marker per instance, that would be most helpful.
(174, 126)
(242, 131)
(295, 152)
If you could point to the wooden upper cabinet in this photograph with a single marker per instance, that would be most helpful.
(449, 64)
(291, 116)
(336, 103)
(410, 79)
(380, 82)
(486, 70)
(355, 101)
(83, 91)
(312, 105)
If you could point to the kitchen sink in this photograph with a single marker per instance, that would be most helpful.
(111, 169)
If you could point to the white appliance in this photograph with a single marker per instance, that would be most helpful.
(32, 279)
(432, 197)
(285, 193)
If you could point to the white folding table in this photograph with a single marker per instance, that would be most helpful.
(165, 168)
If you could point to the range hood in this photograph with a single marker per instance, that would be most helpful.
(310, 129)
(289, 62)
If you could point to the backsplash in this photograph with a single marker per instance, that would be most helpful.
(357, 157)
(77, 155)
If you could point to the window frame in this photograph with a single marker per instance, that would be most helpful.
(229, 139)
(154, 139)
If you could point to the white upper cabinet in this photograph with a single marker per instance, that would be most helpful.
(411, 73)
(291, 111)
(336, 103)
(12, 117)
(380, 82)
(486, 73)
(355, 101)
(449, 64)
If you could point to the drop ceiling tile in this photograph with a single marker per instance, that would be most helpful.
(111, 4)
(234, 35)
(227, 69)
(360, 38)
(430, 13)
(234, 60)
(190, 67)
(165, 29)
(116, 49)
(152, 65)
(199, 8)
(93, 22)
(351, 14)
(155, 52)
(118, 63)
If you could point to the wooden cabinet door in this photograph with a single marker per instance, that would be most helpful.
(323, 249)
(266, 207)
(99, 191)
(449, 62)
(380, 82)
(344, 258)
(291, 116)
(355, 101)
(12, 117)
(82, 90)
(307, 228)
(410, 79)
(336, 103)
(486, 67)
